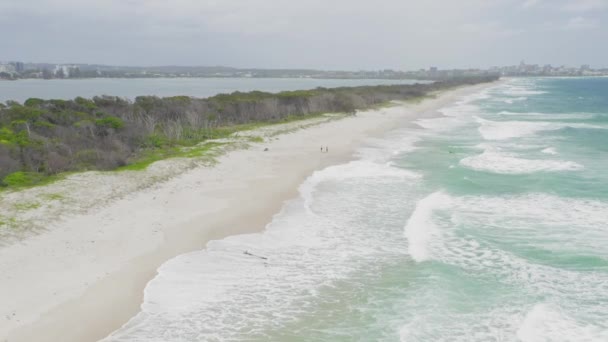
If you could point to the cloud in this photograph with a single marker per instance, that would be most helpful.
(585, 5)
(530, 3)
(582, 23)
(490, 29)
(343, 34)
(567, 5)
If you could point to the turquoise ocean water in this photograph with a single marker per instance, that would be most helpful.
(489, 223)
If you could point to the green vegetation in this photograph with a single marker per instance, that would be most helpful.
(110, 122)
(7, 221)
(41, 140)
(21, 179)
(152, 156)
(24, 206)
(52, 197)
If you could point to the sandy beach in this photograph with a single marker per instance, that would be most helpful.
(98, 238)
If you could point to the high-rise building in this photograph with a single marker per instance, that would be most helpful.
(19, 66)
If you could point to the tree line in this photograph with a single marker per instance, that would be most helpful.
(44, 137)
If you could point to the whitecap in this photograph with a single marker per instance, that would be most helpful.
(520, 90)
(496, 161)
(546, 322)
(549, 150)
(513, 100)
(455, 115)
(502, 130)
(548, 116)
(420, 229)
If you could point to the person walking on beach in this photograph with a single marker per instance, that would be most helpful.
(326, 149)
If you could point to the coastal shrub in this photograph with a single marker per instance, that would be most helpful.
(59, 104)
(110, 122)
(33, 102)
(185, 99)
(43, 124)
(6, 135)
(20, 178)
(19, 112)
(8, 161)
(155, 141)
(9, 137)
(86, 103)
(86, 158)
(42, 138)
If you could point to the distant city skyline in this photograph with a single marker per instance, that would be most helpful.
(343, 35)
(22, 62)
(19, 70)
(4, 61)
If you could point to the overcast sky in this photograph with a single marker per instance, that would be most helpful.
(324, 34)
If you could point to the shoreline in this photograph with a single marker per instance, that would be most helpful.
(88, 270)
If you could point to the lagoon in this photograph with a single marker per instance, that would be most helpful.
(130, 88)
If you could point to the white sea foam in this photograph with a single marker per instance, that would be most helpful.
(496, 325)
(515, 91)
(545, 322)
(364, 170)
(586, 218)
(549, 150)
(441, 124)
(502, 130)
(455, 115)
(420, 229)
(516, 99)
(382, 150)
(495, 160)
(520, 90)
(245, 284)
(575, 224)
(471, 233)
(548, 116)
(567, 226)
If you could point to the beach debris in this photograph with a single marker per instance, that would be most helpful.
(253, 255)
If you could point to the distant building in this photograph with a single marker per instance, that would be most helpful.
(19, 66)
(64, 70)
(7, 68)
(522, 66)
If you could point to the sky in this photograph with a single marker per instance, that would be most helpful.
(317, 34)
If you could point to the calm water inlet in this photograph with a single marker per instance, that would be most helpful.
(130, 88)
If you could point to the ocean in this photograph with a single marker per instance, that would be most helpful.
(67, 89)
(488, 223)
